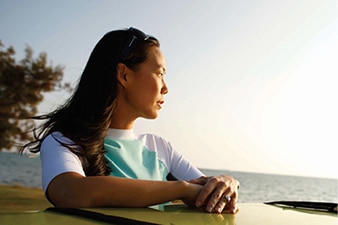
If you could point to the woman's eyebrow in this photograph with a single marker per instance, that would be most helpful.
(162, 68)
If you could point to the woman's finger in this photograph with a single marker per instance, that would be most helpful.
(206, 191)
(232, 206)
(217, 201)
(222, 203)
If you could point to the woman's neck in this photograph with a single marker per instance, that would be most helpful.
(123, 116)
(121, 120)
(121, 125)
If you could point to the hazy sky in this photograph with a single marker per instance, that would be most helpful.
(252, 84)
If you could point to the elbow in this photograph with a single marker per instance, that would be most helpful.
(68, 191)
(68, 199)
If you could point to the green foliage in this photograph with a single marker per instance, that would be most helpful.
(22, 85)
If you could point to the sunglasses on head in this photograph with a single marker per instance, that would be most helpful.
(135, 38)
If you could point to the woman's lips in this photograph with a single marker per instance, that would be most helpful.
(160, 103)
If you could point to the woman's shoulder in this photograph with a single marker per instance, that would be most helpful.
(55, 138)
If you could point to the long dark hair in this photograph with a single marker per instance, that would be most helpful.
(86, 116)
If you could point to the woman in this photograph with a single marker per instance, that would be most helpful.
(89, 153)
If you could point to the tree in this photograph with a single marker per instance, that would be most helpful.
(22, 85)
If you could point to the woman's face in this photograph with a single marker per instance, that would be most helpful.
(146, 87)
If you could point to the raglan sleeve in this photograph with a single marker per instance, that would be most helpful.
(57, 159)
(179, 166)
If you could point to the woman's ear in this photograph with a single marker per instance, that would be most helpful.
(121, 74)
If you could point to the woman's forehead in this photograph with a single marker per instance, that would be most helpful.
(156, 57)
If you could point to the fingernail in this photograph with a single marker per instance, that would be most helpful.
(209, 209)
(218, 210)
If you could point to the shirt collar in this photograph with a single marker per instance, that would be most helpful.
(120, 134)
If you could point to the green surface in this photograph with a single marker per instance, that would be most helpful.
(19, 199)
(17, 205)
(180, 214)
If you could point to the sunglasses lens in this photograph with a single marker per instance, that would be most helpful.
(138, 33)
(135, 37)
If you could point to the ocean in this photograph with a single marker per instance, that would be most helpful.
(255, 187)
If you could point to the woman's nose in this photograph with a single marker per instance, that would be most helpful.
(164, 89)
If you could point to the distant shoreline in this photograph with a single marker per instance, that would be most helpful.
(17, 171)
(211, 170)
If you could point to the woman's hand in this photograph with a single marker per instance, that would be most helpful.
(218, 193)
(192, 191)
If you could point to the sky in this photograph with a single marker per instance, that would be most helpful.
(252, 83)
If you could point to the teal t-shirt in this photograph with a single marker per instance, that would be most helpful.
(132, 159)
(144, 156)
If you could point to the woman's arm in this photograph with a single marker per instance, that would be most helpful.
(74, 190)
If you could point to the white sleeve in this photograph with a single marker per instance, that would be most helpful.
(177, 165)
(57, 159)
(180, 167)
